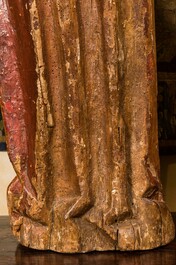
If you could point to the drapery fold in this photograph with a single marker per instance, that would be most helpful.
(85, 87)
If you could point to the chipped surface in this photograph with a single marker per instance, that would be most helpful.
(93, 180)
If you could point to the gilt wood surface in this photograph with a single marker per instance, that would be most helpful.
(12, 253)
(78, 93)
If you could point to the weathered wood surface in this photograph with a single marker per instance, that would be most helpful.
(13, 253)
(79, 103)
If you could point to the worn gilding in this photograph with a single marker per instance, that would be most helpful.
(85, 147)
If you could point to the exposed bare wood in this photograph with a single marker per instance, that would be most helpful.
(85, 149)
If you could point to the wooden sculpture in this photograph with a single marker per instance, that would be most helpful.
(79, 100)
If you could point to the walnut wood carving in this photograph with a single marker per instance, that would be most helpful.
(78, 92)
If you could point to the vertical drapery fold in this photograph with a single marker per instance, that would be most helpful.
(94, 183)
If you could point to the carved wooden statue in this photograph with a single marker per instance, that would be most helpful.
(79, 99)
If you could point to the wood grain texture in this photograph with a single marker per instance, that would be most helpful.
(15, 254)
(87, 167)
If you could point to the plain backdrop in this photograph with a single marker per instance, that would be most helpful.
(7, 173)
